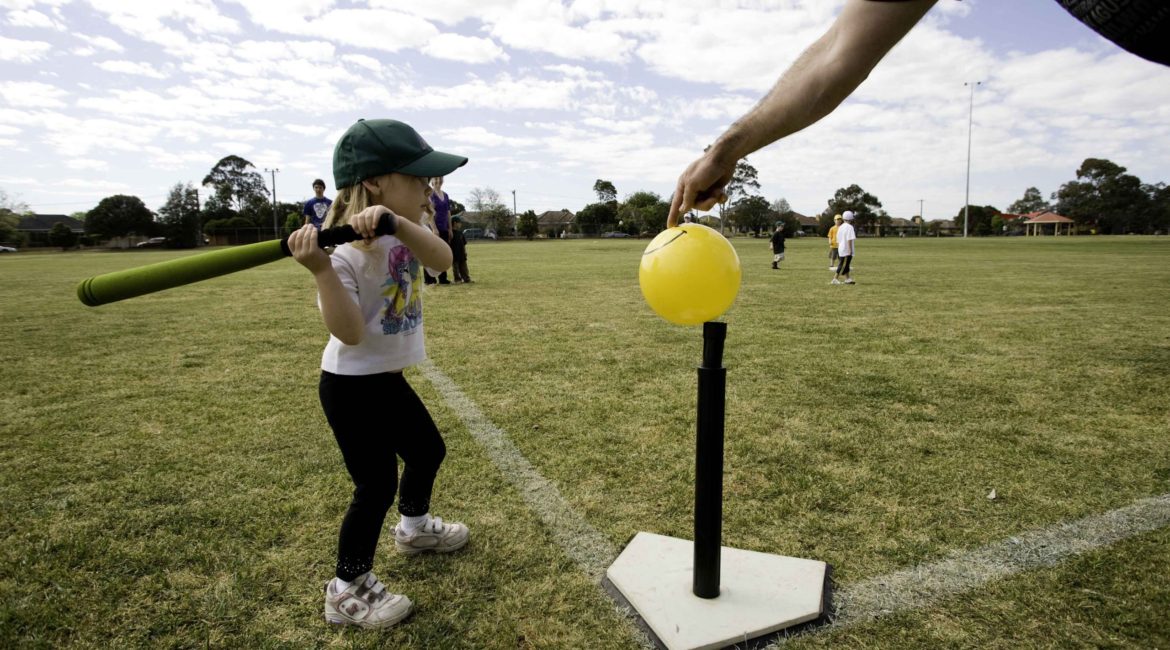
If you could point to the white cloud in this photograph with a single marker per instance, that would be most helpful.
(101, 43)
(131, 67)
(87, 163)
(22, 51)
(34, 19)
(467, 49)
(31, 94)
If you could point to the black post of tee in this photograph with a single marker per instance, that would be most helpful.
(709, 462)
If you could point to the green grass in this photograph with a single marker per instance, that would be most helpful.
(167, 478)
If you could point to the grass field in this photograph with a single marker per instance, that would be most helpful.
(167, 478)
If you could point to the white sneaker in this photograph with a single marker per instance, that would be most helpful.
(432, 535)
(832, 268)
(365, 604)
(835, 281)
(849, 281)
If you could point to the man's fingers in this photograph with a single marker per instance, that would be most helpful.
(675, 206)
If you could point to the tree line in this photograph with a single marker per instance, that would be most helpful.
(1103, 199)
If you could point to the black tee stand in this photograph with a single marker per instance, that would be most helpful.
(709, 462)
(739, 598)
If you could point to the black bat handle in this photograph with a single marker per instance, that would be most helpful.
(387, 225)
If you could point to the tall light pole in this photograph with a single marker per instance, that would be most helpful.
(921, 218)
(275, 228)
(514, 215)
(970, 122)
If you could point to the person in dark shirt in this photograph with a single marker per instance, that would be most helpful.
(778, 246)
(317, 207)
(459, 251)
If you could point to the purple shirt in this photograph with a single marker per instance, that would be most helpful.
(442, 211)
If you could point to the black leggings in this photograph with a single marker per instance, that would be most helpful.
(843, 265)
(375, 419)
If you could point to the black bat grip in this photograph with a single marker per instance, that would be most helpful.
(387, 225)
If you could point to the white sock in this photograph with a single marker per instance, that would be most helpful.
(410, 524)
(339, 585)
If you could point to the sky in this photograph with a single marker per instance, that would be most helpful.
(103, 97)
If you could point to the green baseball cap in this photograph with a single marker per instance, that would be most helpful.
(375, 147)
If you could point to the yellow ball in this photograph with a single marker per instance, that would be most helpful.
(689, 274)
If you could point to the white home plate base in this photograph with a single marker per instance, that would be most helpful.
(759, 593)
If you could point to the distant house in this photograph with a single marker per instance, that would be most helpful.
(943, 227)
(37, 226)
(899, 226)
(554, 222)
(1036, 223)
(808, 225)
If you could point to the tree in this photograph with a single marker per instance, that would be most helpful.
(457, 207)
(981, 219)
(596, 217)
(753, 213)
(643, 212)
(744, 181)
(492, 210)
(528, 225)
(179, 217)
(1159, 207)
(1033, 201)
(1106, 199)
(605, 190)
(118, 216)
(10, 211)
(237, 184)
(63, 236)
(781, 206)
(864, 205)
(293, 221)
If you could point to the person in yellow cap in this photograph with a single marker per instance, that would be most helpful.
(833, 243)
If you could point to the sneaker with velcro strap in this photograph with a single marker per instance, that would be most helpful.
(365, 604)
(433, 535)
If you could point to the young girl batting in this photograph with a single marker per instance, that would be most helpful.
(370, 299)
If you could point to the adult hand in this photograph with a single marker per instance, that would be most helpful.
(700, 187)
(304, 248)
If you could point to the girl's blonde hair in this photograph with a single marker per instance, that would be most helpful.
(348, 202)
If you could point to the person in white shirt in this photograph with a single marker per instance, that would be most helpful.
(846, 237)
(369, 294)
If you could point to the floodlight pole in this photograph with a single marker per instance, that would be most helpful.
(970, 122)
(709, 462)
(921, 218)
(275, 228)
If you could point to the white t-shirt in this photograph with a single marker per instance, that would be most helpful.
(845, 237)
(386, 283)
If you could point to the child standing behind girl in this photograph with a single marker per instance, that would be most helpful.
(370, 299)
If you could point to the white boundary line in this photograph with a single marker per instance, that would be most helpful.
(925, 584)
(858, 603)
(587, 547)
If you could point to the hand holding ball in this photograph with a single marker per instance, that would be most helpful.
(689, 274)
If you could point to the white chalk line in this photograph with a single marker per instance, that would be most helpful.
(896, 592)
(587, 547)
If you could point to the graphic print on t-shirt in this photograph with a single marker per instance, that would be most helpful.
(401, 306)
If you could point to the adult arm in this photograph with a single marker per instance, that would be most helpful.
(828, 72)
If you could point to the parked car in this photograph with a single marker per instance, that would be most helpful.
(614, 235)
(7, 249)
(479, 233)
(153, 242)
